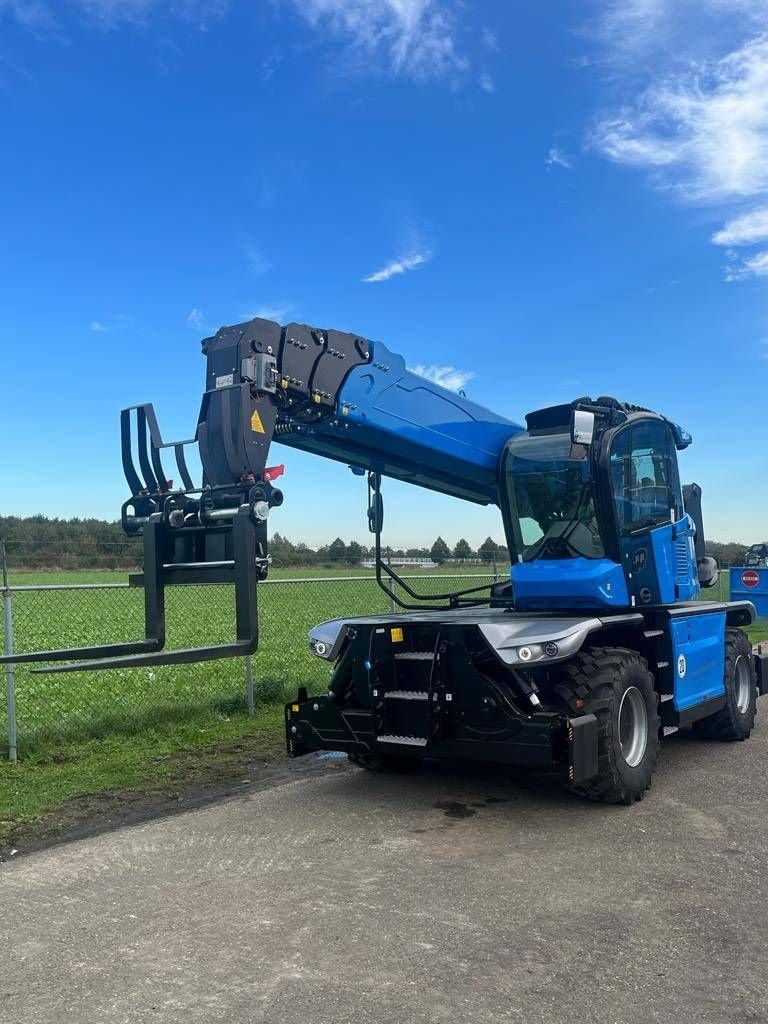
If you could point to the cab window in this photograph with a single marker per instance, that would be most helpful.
(646, 487)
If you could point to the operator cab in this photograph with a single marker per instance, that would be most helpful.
(594, 509)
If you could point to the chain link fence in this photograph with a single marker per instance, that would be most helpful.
(45, 708)
(41, 709)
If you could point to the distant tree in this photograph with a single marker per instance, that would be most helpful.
(440, 551)
(488, 550)
(462, 550)
(337, 551)
(354, 552)
(727, 554)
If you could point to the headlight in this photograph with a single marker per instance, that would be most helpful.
(536, 652)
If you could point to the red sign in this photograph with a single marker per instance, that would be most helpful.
(750, 578)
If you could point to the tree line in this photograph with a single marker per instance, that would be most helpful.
(37, 542)
(285, 552)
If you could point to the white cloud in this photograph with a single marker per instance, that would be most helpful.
(195, 319)
(672, 31)
(446, 376)
(410, 38)
(417, 37)
(486, 83)
(413, 259)
(708, 126)
(257, 261)
(34, 15)
(699, 124)
(113, 12)
(557, 158)
(113, 322)
(37, 15)
(276, 312)
(490, 39)
(751, 266)
(746, 229)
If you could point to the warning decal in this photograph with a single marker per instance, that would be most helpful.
(256, 425)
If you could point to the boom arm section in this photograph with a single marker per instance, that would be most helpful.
(345, 398)
(324, 391)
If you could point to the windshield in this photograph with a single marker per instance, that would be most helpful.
(551, 498)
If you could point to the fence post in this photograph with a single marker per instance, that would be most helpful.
(10, 675)
(249, 693)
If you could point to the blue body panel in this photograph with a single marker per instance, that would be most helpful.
(675, 561)
(396, 422)
(698, 648)
(569, 583)
(661, 564)
(757, 594)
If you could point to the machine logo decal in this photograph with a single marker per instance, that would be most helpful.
(750, 578)
(682, 665)
(639, 558)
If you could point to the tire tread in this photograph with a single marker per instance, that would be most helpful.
(589, 686)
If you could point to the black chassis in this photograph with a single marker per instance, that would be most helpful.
(451, 684)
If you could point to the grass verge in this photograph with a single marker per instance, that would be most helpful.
(60, 788)
(63, 789)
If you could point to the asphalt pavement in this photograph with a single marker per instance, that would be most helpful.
(458, 894)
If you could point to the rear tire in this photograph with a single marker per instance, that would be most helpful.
(614, 684)
(736, 720)
(384, 764)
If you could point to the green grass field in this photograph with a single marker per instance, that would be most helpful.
(83, 733)
(276, 572)
(52, 708)
(56, 708)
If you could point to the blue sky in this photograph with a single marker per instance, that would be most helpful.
(534, 201)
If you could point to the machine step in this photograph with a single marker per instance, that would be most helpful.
(406, 695)
(403, 741)
(653, 632)
(669, 730)
(415, 656)
(666, 696)
(662, 664)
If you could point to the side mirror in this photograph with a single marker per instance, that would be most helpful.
(582, 426)
(708, 571)
(376, 513)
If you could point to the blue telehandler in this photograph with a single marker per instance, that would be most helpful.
(594, 649)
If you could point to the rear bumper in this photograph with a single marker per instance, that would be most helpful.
(545, 741)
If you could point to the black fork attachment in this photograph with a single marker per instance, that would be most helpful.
(256, 373)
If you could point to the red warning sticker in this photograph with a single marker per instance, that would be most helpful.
(750, 578)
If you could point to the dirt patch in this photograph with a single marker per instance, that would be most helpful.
(198, 777)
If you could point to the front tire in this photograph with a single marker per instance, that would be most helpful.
(736, 720)
(614, 684)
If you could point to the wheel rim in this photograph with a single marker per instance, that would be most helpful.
(742, 684)
(633, 726)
